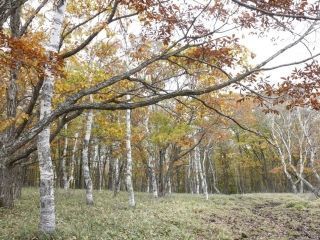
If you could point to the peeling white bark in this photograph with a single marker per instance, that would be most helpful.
(47, 206)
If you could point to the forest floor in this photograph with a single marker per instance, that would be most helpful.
(180, 216)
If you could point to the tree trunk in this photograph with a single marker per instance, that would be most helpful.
(111, 172)
(12, 87)
(10, 185)
(148, 175)
(129, 159)
(63, 161)
(47, 207)
(203, 175)
(101, 166)
(153, 179)
(189, 174)
(196, 169)
(197, 158)
(73, 161)
(85, 159)
(214, 179)
(162, 153)
(116, 177)
(7, 181)
(151, 159)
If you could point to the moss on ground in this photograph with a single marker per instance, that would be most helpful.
(180, 216)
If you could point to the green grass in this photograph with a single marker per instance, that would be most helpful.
(180, 216)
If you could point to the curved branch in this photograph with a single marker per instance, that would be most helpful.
(272, 14)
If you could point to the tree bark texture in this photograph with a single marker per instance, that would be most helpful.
(47, 206)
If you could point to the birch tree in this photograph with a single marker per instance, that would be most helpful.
(85, 158)
(102, 163)
(284, 152)
(47, 206)
(129, 158)
(287, 132)
(73, 161)
(150, 155)
(63, 161)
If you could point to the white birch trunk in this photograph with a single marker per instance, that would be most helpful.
(73, 161)
(308, 133)
(85, 159)
(196, 170)
(95, 154)
(314, 170)
(129, 158)
(153, 179)
(148, 180)
(214, 180)
(169, 186)
(189, 174)
(63, 161)
(151, 159)
(301, 168)
(199, 169)
(203, 175)
(277, 134)
(116, 177)
(47, 206)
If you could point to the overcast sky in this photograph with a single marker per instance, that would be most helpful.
(263, 47)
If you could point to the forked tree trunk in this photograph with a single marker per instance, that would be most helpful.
(47, 207)
(129, 158)
(85, 159)
(203, 181)
(288, 175)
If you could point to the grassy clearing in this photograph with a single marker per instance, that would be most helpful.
(181, 216)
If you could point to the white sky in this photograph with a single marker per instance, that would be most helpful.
(264, 47)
